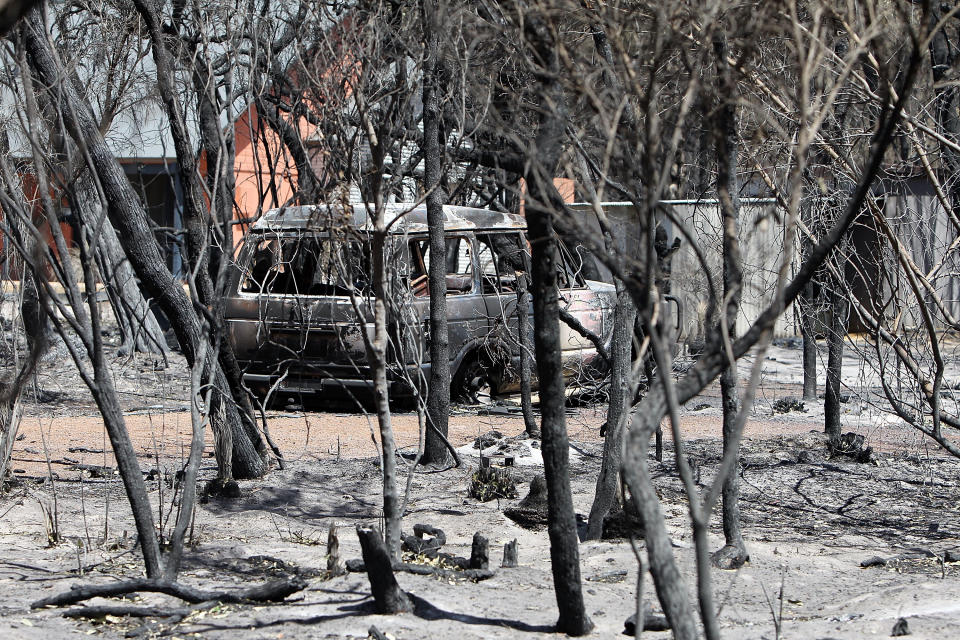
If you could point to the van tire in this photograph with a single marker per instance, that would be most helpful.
(472, 383)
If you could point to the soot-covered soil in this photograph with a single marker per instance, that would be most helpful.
(842, 548)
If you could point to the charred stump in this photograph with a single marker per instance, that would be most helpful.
(510, 559)
(334, 564)
(387, 594)
(480, 552)
(531, 512)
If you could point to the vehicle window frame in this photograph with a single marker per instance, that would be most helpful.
(248, 253)
(498, 283)
(420, 260)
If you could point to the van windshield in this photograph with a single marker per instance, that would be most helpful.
(303, 264)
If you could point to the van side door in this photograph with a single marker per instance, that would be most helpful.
(466, 312)
(503, 262)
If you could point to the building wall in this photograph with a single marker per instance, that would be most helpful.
(928, 234)
(761, 238)
(761, 246)
(266, 176)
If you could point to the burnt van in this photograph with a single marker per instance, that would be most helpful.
(301, 301)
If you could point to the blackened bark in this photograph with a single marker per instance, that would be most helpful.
(188, 498)
(835, 338)
(11, 410)
(620, 388)
(523, 340)
(11, 392)
(387, 594)
(127, 466)
(809, 338)
(130, 220)
(273, 591)
(734, 553)
(438, 393)
(334, 564)
(562, 524)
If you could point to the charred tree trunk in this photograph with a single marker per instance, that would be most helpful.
(479, 552)
(391, 496)
(10, 413)
(733, 554)
(35, 325)
(562, 524)
(670, 584)
(129, 218)
(523, 340)
(835, 338)
(510, 559)
(200, 242)
(809, 338)
(128, 467)
(620, 391)
(438, 394)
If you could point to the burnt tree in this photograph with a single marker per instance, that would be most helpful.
(130, 219)
(562, 524)
(438, 393)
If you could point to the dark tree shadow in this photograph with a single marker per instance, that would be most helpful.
(427, 611)
(422, 609)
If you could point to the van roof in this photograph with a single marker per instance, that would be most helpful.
(401, 217)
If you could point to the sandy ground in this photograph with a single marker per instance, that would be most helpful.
(810, 521)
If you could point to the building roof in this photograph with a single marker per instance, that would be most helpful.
(402, 218)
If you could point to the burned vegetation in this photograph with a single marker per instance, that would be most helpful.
(379, 319)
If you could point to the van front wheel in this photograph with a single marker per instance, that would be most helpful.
(472, 383)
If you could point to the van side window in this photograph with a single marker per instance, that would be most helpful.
(307, 265)
(459, 266)
(502, 257)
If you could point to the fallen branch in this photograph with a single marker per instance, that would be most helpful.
(101, 611)
(273, 591)
(357, 566)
